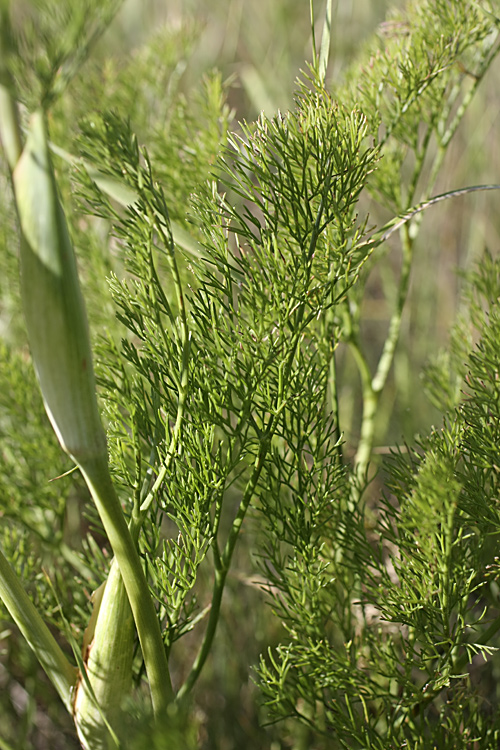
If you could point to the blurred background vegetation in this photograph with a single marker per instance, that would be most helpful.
(259, 47)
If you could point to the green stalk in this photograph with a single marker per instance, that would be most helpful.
(96, 474)
(9, 125)
(36, 633)
(108, 662)
(59, 339)
(53, 304)
(324, 53)
(60, 344)
(391, 341)
(222, 565)
(10, 129)
(334, 403)
(372, 387)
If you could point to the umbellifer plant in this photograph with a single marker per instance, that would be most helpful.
(220, 393)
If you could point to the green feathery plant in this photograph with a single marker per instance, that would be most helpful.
(237, 268)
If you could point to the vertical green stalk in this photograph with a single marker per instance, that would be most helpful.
(320, 60)
(96, 474)
(372, 387)
(59, 339)
(108, 663)
(60, 345)
(55, 664)
(222, 565)
(334, 403)
(53, 305)
(36, 633)
(10, 129)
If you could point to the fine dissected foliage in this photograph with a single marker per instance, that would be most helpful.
(224, 271)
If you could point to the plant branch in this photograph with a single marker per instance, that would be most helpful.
(97, 476)
(36, 633)
(185, 343)
(371, 394)
(373, 387)
(10, 128)
(334, 403)
(222, 565)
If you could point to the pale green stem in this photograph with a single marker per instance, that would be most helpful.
(185, 339)
(10, 129)
(391, 341)
(450, 131)
(371, 396)
(370, 403)
(326, 38)
(313, 35)
(96, 474)
(36, 633)
(334, 398)
(59, 670)
(222, 565)
(372, 388)
(108, 651)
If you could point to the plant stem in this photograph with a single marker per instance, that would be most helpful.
(36, 633)
(96, 474)
(372, 388)
(391, 341)
(184, 337)
(201, 657)
(334, 405)
(222, 565)
(10, 129)
(478, 77)
(107, 671)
